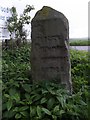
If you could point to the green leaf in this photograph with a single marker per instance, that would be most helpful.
(51, 90)
(17, 116)
(24, 113)
(83, 103)
(50, 103)
(6, 95)
(46, 111)
(27, 87)
(61, 100)
(61, 112)
(39, 111)
(43, 100)
(30, 102)
(36, 97)
(28, 98)
(33, 111)
(16, 84)
(56, 108)
(44, 91)
(16, 109)
(12, 91)
(54, 117)
(23, 108)
(9, 104)
(16, 97)
(8, 114)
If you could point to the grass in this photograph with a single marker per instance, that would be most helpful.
(79, 42)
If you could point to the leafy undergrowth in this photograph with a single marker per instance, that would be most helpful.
(43, 101)
(79, 69)
(23, 100)
(16, 64)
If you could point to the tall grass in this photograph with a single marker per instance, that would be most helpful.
(80, 43)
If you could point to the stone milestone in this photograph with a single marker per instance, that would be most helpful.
(50, 58)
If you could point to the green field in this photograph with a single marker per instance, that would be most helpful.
(78, 42)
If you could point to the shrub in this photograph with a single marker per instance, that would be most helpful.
(16, 64)
(42, 101)
(23, 100)
(79, 69)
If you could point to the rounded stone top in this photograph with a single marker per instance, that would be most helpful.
(47, 13)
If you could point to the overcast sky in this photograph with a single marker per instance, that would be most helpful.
(75, 10)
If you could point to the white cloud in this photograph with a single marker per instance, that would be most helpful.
(75, 10)
(5, 3)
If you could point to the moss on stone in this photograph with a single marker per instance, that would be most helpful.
(44, 12)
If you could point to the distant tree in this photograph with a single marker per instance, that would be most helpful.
(15, 23)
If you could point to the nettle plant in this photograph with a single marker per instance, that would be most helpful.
(46, 101)
(80, 69)
(15, 24)
(23, 100)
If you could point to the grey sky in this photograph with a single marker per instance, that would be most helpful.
(75, 10)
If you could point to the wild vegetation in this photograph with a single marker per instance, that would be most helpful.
(23, 100)
(79, 42)
(16, 24)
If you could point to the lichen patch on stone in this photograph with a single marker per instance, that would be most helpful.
(45, 11)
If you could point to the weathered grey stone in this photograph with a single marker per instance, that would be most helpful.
(50, 58)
